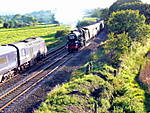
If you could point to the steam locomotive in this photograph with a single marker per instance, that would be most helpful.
(80, 37)
(17, 56)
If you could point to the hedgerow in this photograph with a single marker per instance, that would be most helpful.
(129, 95)
(79, 95)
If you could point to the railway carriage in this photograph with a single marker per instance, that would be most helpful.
(8, 61)
(83, 35)
(17, 56)
(30, 50)
(37, 47)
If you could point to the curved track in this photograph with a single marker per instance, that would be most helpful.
(51, 54)
(50, 65)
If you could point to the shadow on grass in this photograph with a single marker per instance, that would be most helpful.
(49, 36)
(54, 42)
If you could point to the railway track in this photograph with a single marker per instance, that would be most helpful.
(51, 54)
(8, 97)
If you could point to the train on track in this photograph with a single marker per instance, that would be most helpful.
(17, 56)
(80, 37)
(20, 55)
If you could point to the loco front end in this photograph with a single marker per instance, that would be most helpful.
(72, 44)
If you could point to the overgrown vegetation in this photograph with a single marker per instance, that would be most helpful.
(129, 96)
(98, 13)
(75, 96)
(112, 84)
(86, 21)
(143, 8)
(128, 21)
(115, 6)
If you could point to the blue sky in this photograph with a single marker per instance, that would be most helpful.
(67, 11)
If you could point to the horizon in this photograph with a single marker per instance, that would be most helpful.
(66, 11)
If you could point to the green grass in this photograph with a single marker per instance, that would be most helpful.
(119, 93)
(75, 96)
(1, 25)
(47, 32)
(90, 19)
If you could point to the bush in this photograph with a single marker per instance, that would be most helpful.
(128, 21)
(61, 33)
(142, 7)
(113, 48)
(83, 23)
(6, 25)
(115, 6)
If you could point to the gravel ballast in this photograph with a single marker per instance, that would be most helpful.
(31, 101)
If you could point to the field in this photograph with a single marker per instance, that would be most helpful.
(93, 19)
(45, 31)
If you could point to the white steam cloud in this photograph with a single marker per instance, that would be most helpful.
(68, 16)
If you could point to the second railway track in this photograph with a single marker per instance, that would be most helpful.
(11, 94)
(50, 55)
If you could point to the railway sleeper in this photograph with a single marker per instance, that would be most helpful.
(20, 69)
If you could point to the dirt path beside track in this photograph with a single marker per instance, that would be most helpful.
(31, 101)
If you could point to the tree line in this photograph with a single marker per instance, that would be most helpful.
(143, 8)
(18, 20)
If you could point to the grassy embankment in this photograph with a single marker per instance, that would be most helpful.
(45, 31)
(106, 88)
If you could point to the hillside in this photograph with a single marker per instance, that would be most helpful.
(103, 90)
(112, 84)
(47, 17)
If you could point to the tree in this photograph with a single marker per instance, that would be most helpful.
(143, 8)
(6, 25)
(53, 20)
(96, 13)
(1, 19)
(114, 7)
(11, 24)
(83, 23)
(115, 47)
(99, 13)
(128, 21)
(104, 13)
(17, 17)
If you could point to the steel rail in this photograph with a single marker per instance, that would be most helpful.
(50, 53)
(35, 83)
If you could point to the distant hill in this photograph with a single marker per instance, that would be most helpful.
(30, 19)
(47, 16)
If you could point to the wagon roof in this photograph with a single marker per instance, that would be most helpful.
(6, 49)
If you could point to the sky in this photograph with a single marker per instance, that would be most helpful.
(67, 11)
